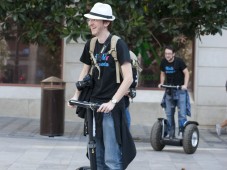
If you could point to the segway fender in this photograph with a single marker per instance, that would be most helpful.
(161, 119)
(191, 122)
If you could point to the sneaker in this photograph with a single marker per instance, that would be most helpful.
(180, 135)
(218, 129)
(166, 136)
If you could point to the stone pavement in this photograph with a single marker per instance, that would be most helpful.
(23, 148)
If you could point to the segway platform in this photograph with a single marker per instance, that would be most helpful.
(172, 141)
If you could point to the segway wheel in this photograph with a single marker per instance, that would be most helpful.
(156, 137)
(84, 168)
(191, 138)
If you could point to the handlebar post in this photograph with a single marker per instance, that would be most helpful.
(91, 144)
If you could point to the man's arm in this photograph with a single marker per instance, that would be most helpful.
(127, 81)
(162, 79)
(186, 78)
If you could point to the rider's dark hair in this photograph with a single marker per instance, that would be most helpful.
(169, 47)
(109, 26)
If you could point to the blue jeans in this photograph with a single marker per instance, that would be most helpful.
(177, 99)
(128, 117)
(108, 151)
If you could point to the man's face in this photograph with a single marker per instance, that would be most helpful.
(96, 26)
(169, 55)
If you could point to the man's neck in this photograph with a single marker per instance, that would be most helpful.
(102, 38)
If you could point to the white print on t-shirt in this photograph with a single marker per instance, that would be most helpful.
(102, 60)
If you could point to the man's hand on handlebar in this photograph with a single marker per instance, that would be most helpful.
(184, 87)
(160, 85)
(106, 107)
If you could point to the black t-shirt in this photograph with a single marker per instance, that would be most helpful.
(127, 102)
(174, 71)
(106, 86)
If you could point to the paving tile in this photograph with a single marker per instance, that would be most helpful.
(23, 148)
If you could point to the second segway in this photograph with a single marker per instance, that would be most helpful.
(189, 138)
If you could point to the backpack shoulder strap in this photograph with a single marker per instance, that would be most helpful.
(92, 57)
(135, 62)
(113, 52)
(92, 44)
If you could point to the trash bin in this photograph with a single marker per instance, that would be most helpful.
(52, 107)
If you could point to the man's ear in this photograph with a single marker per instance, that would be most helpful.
(106, 23)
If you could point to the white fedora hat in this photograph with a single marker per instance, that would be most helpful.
(101, 11)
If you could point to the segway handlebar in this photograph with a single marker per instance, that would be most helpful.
(84, 104)
(170, 86)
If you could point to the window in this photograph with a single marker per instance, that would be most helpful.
(150, 62)
(27, 63)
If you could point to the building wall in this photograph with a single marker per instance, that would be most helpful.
(210, 78)
(208, 98)
(145, 108)
(20, 101)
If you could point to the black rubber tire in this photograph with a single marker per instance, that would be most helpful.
(190, 138)
(156, 136)
(84, 168)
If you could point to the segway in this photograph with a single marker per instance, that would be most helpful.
(189, 138)
(91, 107)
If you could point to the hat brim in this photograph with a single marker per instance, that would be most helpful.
(90, 16)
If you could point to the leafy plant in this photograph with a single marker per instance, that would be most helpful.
(150, 23)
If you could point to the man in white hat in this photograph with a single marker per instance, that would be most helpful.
(115, 148)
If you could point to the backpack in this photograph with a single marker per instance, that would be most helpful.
(113, 51)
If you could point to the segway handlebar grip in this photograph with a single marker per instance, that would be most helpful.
(84, 104)
(171, 87)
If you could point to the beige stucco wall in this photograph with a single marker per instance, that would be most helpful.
(210, 79)
(145, 108)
